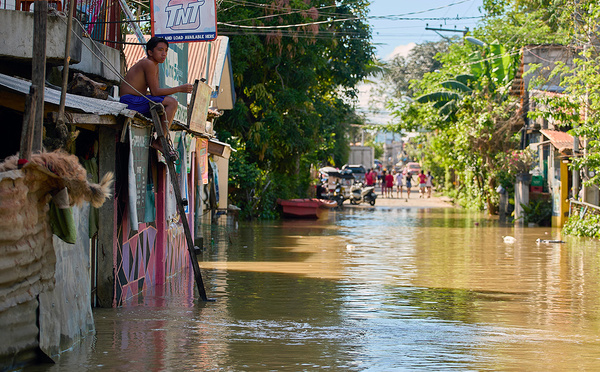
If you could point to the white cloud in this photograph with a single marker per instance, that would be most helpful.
(401, 50)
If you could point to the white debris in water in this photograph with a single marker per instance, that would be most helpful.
(509, 239)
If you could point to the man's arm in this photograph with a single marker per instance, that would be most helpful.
(151, 73)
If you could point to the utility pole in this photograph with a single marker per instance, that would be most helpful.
(464, 32)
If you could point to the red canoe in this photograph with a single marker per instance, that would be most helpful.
(306, 208)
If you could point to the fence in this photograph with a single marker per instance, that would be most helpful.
(581, 209)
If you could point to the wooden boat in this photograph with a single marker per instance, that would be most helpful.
(306, 208)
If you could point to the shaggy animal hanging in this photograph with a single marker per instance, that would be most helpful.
(66, 171)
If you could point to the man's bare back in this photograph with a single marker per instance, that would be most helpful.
(136, 77)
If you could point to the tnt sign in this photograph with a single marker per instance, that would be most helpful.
(181, 21)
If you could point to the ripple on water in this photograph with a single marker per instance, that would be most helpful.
(418, 290)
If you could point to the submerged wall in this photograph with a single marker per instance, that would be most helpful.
(65, 311)
(151, 253)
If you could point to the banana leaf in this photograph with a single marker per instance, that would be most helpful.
(500, 63)
(448, 108)
(466, 79)
(478, 66)
(456, 85)
(438, 96)
(440, 104)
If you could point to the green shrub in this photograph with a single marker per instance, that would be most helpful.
(588, 226)
(537, 211)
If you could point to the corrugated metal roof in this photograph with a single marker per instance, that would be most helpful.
(198, 61)
(561, 140)
(72, 101)
(133, 53)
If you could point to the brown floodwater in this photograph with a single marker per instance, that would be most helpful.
(374, 289)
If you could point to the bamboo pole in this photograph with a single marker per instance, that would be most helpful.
(67, 60)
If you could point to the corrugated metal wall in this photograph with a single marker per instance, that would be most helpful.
(27, 262)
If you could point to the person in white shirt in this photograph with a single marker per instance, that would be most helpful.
(429, 183)
(399, 184)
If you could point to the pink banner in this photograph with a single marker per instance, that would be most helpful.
(202, 156)
(92, 8)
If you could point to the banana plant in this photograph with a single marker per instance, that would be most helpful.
(447, 101)
(493, 65)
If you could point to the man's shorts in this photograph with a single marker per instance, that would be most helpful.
(139, 103)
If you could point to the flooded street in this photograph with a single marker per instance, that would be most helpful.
(369, 289)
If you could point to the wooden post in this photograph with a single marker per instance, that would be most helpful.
(65, 77)
(38, 69)
(105, 280)
(28, 125)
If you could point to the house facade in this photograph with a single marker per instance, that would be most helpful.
(136, 240)
(548, 137)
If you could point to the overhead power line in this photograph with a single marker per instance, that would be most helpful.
(423, 11)
(397, 17)
(285, 26)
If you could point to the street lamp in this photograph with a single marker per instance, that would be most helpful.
(472, 40)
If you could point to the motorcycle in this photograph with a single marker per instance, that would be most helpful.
(338, 195)
(359, 194)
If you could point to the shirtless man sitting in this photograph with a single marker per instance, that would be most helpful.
(143, 77)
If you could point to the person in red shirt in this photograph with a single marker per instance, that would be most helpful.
(369, 178)
(422, 184)
(389, 184)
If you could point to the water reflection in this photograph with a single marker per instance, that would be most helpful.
(376, 289)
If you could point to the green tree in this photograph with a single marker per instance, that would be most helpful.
(400, 71)
(296, 64)
(466, 107)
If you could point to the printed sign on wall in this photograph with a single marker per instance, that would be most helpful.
(182, 21)
(139, 142)
(174, 72)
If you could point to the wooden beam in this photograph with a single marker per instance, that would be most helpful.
(88, 119)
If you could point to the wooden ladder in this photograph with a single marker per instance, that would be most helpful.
(158, 110)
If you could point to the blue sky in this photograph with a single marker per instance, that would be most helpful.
(392, 35)
(395, 34)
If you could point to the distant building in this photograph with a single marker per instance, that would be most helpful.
(554, 146)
